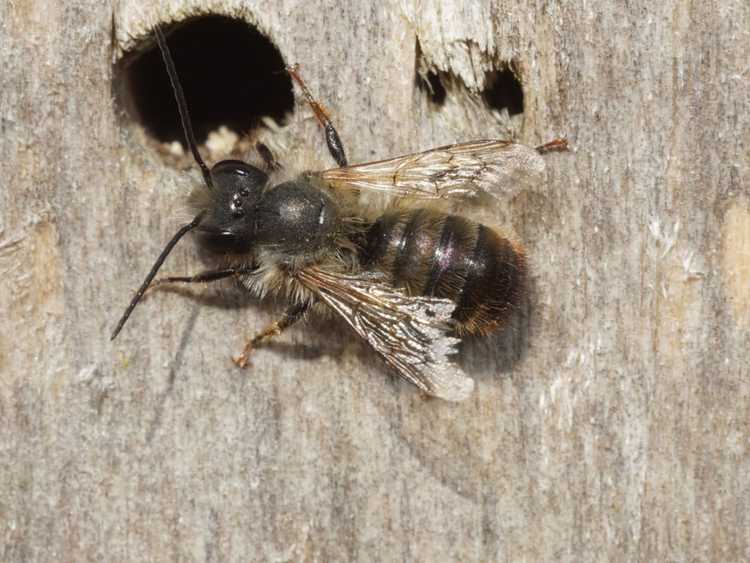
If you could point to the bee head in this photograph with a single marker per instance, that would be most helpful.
(237, 189)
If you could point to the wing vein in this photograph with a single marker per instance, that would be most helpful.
(412, 334)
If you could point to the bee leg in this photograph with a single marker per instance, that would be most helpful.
(203, 277)
(269, 161)
(553, 145)
(335, 146)
(290, 316)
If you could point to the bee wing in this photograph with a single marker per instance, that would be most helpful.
(465, 169)
(410, 333)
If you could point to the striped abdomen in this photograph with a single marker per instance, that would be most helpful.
(432, 253)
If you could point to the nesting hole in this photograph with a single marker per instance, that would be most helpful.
(433, 86)
(428, 81)
(232, 76)
(503, 91)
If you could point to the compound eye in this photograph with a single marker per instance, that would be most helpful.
(235, 173)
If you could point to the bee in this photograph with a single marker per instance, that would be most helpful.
(410, 280)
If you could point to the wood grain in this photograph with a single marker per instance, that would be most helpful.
(610, 423)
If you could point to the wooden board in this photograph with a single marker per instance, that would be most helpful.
(610, 423)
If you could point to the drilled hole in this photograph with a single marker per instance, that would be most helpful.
(231, 73)
(433, 86)
(428, 81)
(503, 91)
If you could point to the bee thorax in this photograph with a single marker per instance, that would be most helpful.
(297, 218)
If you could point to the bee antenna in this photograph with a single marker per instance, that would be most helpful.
(182, 105)
(154, 269)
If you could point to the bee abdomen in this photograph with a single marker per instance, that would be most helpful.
(427, 252)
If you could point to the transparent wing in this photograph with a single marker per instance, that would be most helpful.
(410, 333)
(466, 169)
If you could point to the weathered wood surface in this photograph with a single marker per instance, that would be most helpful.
(612, 422)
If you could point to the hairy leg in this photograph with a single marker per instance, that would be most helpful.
(553, 145)
(290, 317)
(335, 146)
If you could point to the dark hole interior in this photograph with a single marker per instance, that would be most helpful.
(430, 82)
(504, 91)
(232, 75)
(435, 88)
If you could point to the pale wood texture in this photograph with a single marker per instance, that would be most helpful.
(611, 422)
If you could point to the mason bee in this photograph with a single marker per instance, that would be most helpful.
(410, 280)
